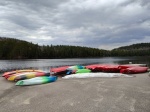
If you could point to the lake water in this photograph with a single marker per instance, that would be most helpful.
(46, 64)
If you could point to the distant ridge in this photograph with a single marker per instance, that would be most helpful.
(139, 49)
(11, 48)
(138, 46)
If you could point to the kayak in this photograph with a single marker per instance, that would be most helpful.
(134, 70)
(93, 67)
(36, 80)
(26, 75)
(96, 67)
(59, 70)
(103, 68)
(83, 71)
(111, 68)
(124, 66)
(100, 74)
(8, 74)
(75, 67)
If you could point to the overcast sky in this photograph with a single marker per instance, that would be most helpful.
(104, 24)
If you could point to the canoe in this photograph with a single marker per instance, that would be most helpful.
(99, 74)
(36, 80)
(26, 75)
(7, 74)
(134, 70)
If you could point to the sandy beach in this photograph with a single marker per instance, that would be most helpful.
(78, 95)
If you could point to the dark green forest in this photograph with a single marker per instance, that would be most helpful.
(140, 49)
(18, 49)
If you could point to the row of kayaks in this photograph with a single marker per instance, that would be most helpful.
(107, 68)
(32, 77)
(29, 77)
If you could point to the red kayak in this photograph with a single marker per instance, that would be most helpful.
(111, 68)
(59, 70)
(96, 67)
(103, 68)
(134, 70)
(128, 66)
(93, 67)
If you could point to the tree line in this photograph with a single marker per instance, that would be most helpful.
(18, 49)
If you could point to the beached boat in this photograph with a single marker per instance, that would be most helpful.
(65, 70)
(36, 80)
(103, 68)
(83, 71)
(8, 74)
(26, 75)
(134, 70)
(99, 74)
(59, 70)
(124, 66)
(111, 68)
(93, 67)
(75, 67)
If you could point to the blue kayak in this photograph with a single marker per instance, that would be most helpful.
(36, 80)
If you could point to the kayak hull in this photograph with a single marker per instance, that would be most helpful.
(36, 81)
(134, 70)
(98, 75)
(8, 74)
(59, 70)
(27, 75)
(103, 68)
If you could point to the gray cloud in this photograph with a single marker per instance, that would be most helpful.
(92, 23)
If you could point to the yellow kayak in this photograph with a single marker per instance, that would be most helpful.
(26, 75)
(8, 74)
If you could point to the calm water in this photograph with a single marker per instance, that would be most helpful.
(46, 64)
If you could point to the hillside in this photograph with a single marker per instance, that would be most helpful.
(139, 49)
(19, 49)
(139, 46)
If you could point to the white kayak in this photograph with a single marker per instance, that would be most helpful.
(99, 74)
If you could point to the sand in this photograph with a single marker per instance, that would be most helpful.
(78, 95)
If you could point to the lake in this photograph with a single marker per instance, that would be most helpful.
(46, 64)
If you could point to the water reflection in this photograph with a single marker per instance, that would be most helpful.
(46, 64)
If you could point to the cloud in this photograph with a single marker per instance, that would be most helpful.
(92, 23)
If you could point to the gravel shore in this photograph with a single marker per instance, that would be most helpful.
(78, 95)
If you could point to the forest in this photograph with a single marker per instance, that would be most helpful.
(11, 48)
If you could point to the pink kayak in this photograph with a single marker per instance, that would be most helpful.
(134, 70)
